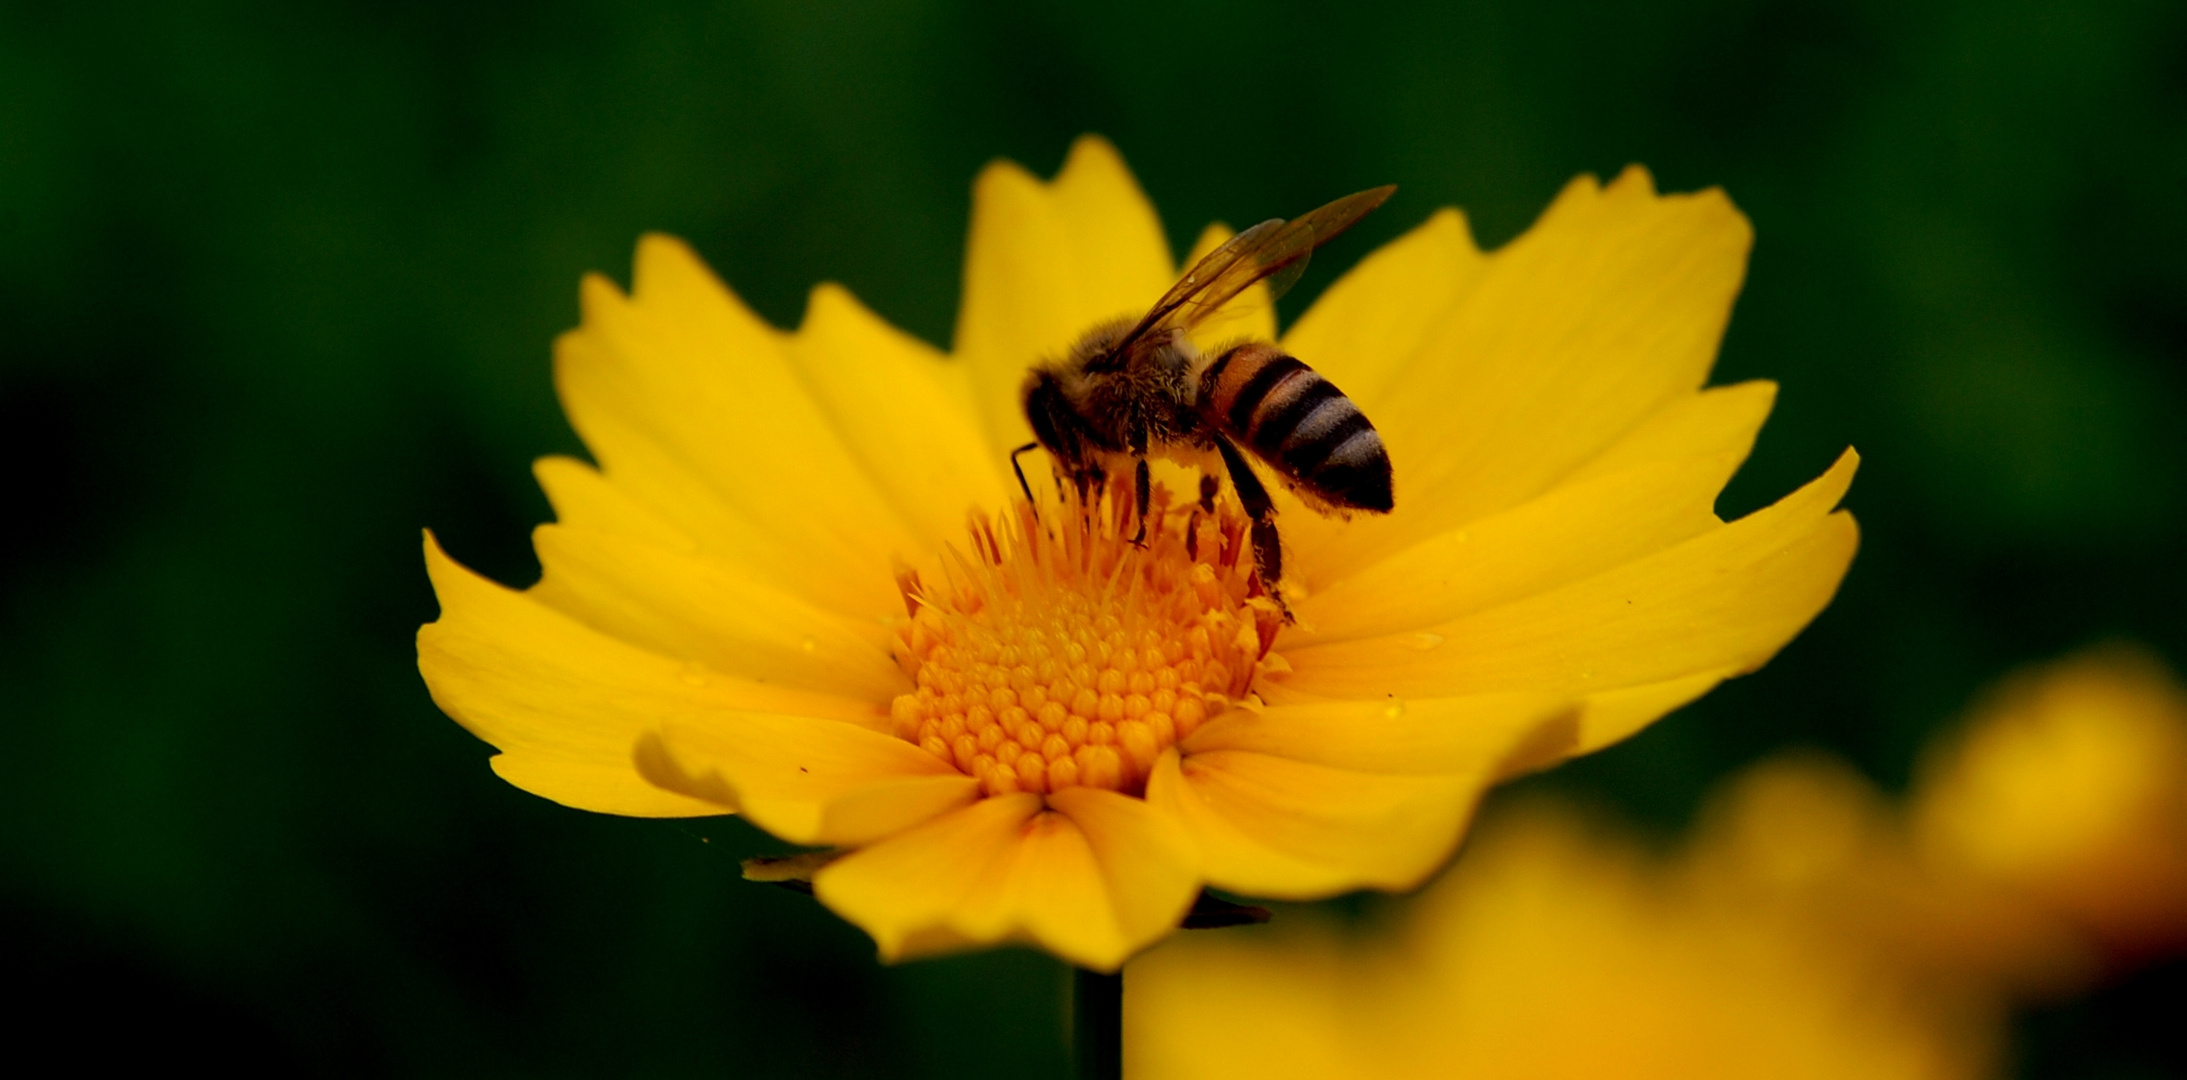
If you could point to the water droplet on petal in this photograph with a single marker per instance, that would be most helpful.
(692, 675)
(808, 645)
(1394, 709)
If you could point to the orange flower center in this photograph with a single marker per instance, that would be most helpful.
(1061, 654)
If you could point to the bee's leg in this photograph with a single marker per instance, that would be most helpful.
(1208, 486)
(1143, 484)
(1022, 485)
(1267, 547)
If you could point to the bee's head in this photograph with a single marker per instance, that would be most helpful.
(1048, 411)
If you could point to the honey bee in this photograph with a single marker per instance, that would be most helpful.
(1135, 388)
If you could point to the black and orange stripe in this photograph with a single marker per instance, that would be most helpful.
(1299, 423)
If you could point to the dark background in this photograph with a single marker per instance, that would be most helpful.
(277, 287)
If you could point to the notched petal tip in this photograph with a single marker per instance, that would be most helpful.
(663, 261)
(1636, 186)
(829, 299)
(597, 294)
(434, 556)
(1093, 147)
(446, 574)
(1001, 178)
(1823, 494)
(1637, 174)
(655, 245)
(1448, 224)
(1094, 166)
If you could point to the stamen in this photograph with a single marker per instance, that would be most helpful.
(1060, 655)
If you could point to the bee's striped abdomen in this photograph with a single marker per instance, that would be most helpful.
(1299, 423)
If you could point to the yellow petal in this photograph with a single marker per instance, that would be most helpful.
(1004, 870)
(1372, 322)
(906, 413)
(1726, 600)
(1606, 312)
(1046, 263)
(1719, 420)
(582, 498)
(806, 780)
(1609, 717)
(907, 890)
(654, 492)
(564, 702)
(1251, 315)
(690, 404)
(722, 616)
(613, 789)
(1486, 734)
(1608, 308)
(1290, 830)
(1718, 423)
(1574, 532)
(1149, 864)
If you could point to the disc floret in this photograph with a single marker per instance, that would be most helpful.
(1059, 654)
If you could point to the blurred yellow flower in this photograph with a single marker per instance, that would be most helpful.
(2068, 786)
(1807, 926)
(1551, 950)
(1808, 841)
(764, 599)
(2050, 830)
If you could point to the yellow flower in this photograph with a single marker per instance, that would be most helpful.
(764, 599)
(1806, 839)
(1551, 950)
(2068, 786)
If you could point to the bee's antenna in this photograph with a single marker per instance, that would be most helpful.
(1022, 485)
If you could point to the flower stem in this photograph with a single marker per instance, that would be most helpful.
(1097, 1024)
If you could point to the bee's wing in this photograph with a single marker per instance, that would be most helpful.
(1274, 250)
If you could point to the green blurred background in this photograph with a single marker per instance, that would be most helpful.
(278, 283)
